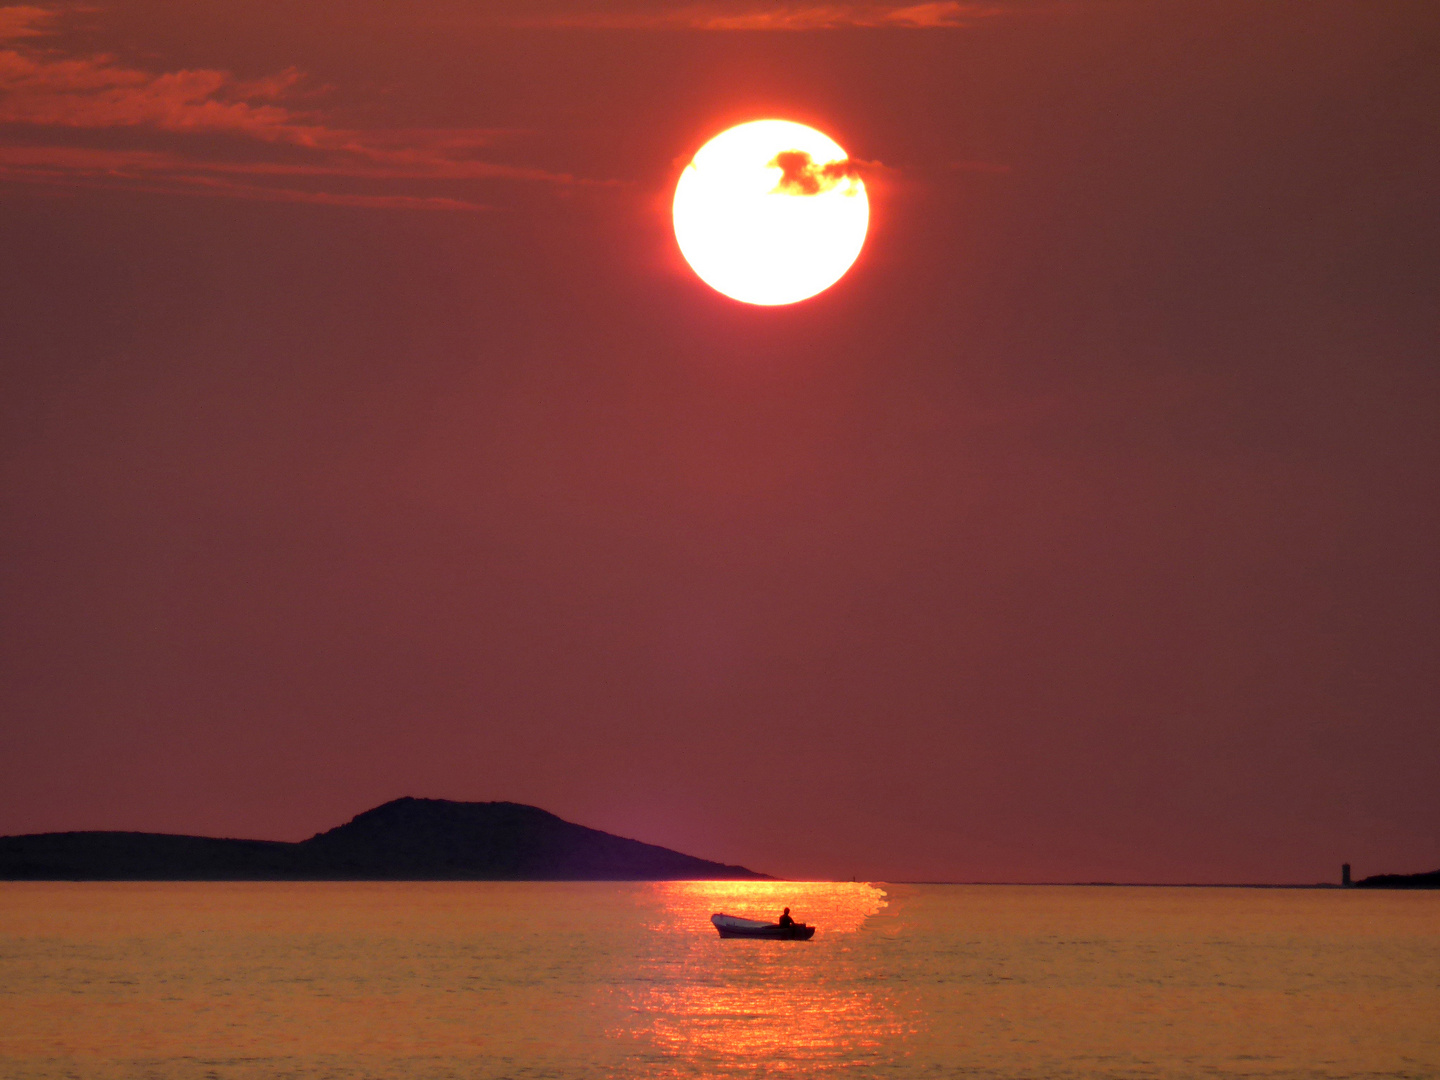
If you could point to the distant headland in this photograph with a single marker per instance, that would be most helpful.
(403, 840)
(1430, 880)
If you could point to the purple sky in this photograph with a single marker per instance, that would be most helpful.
(363, 433)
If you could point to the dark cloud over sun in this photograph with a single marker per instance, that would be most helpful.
(800, 174)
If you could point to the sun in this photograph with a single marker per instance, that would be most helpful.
(771, 212)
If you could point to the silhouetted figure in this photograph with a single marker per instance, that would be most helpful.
(786, 920)
(1345, 874)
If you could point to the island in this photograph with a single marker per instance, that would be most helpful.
(1429, 880)
(403, 840)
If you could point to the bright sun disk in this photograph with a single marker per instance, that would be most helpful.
(771, 212)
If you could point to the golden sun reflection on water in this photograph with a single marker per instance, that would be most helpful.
(728, 1005)
(833, 906)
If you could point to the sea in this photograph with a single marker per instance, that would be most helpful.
(481, 980)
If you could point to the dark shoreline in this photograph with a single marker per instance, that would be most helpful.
(1429, 880)
(404, 840)
(412, 839)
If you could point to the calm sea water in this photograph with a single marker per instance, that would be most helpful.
(242, 981)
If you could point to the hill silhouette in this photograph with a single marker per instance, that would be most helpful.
(406, 839)
(1429, 880)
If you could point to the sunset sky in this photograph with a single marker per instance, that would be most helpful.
(363, 432)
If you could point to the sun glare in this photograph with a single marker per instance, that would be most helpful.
(771, 212)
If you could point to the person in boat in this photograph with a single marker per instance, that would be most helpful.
(785, 919)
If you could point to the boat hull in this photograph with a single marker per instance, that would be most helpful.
(774, 933)
(729, 926)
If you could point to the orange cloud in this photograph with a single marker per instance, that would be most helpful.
(942, 14)
(23, 22)
(90, 92)
(44, 94)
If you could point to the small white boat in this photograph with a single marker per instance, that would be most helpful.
(730, 926)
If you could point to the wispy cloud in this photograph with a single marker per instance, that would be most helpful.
(22, 22)
(941, 14)
(164, 173)
(978, 167)
(49, 99)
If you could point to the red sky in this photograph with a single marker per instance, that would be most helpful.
(362, 432)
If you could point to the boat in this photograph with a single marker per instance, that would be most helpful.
(730, 926)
